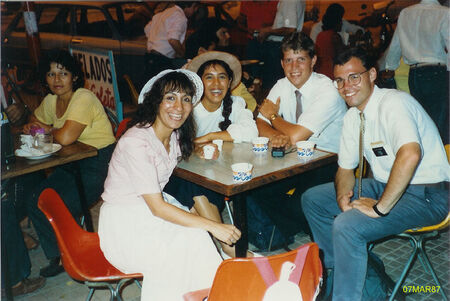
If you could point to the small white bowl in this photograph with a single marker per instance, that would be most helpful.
(305, 149)
(242, 172)
(260, 144)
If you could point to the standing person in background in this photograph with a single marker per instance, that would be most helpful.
(266, 45)
(422, 39)
(143, 229)
(346, 29)
(401, 143)
(165, 36)
(328, 43)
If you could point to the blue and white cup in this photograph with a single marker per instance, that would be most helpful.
(242, 172)
(260, 145)
(305, 149)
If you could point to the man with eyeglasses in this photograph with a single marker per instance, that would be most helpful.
(410, 168)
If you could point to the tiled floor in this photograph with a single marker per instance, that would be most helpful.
(393, 252)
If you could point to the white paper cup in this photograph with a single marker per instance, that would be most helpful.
(208, 151)
(44, 142)
(260, 145)
(305, 149)
(242, 172)
(219, 143)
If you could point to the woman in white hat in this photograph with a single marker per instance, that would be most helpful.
(219, 115)
(143, 229)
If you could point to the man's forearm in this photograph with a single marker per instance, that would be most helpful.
(265, 129)
(178, 47)
(295, 132)
(344, 182)
(405, 164)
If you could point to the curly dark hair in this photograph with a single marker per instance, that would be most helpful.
(65, 59)
(148, 110)
(227, 101)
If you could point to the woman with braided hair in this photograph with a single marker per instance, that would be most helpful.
(218, 115)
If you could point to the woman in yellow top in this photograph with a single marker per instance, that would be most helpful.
(70, 113)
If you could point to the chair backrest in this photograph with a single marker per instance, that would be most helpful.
(80, 250)
(239, 279)
(122, 127)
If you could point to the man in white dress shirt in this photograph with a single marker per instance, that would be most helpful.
(422, 39)
(165, 36)
(322, 109)
(410, 168)
(320, 121)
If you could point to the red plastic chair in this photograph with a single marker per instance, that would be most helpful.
(80, 250)
(122, 127)
(239, 279)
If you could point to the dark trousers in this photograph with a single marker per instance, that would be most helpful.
(15, 258)
(93, 174)
(284, 209)
(430, 86)
(269, 53)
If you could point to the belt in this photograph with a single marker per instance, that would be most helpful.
(439, 185)
(156, 52)
(418, 65)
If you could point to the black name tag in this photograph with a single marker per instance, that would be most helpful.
(379, 151)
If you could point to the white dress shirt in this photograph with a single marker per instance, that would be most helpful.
(323, 109)
(421, 36)
(347, 29)
(393, 119)
(164, 26)
(290, 14)
(242, 127)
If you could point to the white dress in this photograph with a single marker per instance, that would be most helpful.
(173, 259)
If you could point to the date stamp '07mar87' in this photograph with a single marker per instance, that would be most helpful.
(421, 289)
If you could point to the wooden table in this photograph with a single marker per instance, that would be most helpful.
(70, 153)
(217, 176)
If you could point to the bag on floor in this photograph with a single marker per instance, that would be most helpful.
(262, 232)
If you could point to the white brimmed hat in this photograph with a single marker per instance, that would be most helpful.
(193, 77)
(230, 59)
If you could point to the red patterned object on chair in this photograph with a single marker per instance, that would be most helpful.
(239, 279)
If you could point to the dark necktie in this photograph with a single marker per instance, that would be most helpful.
(299, 110)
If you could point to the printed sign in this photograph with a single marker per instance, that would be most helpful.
(100, 76)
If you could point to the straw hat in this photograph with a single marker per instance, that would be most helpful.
(193, 77)
(230, 59)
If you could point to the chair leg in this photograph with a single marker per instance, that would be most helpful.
(229, 211)
(91, 292)
(138, 283)
(407, 266)
(427, 264)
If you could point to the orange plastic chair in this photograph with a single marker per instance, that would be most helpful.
(239, 279)
(80, 250)
(122, 127)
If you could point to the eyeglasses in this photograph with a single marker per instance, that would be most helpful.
(353, 79)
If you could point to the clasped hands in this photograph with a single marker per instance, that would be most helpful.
(363, 204)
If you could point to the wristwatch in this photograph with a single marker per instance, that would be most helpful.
(273, 117)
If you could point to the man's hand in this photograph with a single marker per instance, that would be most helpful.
(280, 140)
(268, 108)
(365, 206)
(344, 201)
(387, 74)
